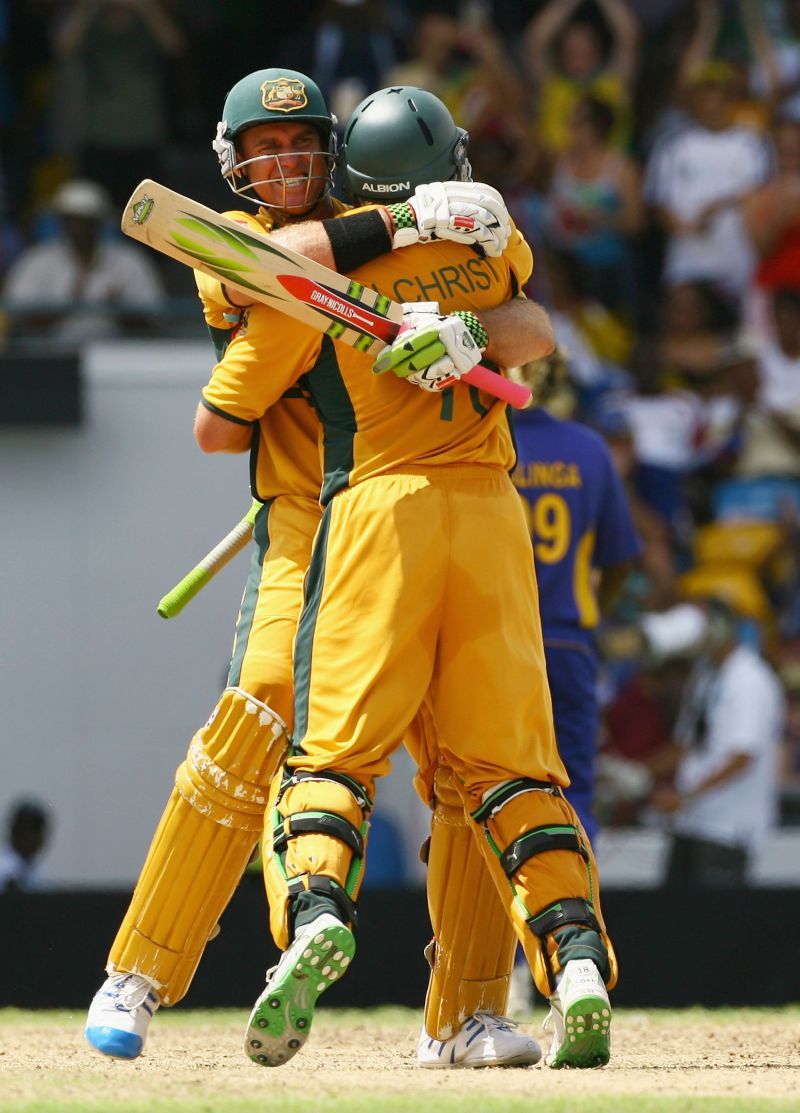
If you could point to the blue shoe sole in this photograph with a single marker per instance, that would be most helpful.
(114, 1043)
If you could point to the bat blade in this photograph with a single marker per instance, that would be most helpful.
(339, 307)
(240, 258)
(246, 261)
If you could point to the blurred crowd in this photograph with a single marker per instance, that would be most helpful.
(650, 152)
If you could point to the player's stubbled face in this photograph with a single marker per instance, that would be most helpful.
(285, 163)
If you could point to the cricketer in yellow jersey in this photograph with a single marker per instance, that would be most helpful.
(214, 816)
(420, 588)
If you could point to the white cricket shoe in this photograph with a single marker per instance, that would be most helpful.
(580, 1018)
(281, 1018)
(120, 1014)
(484, 1040)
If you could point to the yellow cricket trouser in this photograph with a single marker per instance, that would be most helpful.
(424, 584)
(261, 663)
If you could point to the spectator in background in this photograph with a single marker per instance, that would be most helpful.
(667, 423)
(775, 53)
(767, 384)
(726, 30)
(565, 58)
(697, 180)
(594, 206)
(434, 54)
(697, 318)
(81, 285)
(121, 47)
(772, 217)
(464, 59)
(351, 48)
(27, 834)
(656, 565)
(728, 735)
(598, 342)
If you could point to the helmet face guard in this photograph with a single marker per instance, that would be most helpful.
(244, 175)
(276, 96)
(398, 139)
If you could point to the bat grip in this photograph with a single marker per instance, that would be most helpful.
(493, 383)
(174, 601)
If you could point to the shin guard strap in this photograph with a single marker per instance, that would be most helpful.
(571, 910)
(326, 886)
(297, 776)
(501, 796)
(318, 823)
(537, 841)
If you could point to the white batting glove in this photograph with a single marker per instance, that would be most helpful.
(433, 351)
(466, 212)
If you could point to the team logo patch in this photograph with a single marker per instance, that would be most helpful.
(284, 94)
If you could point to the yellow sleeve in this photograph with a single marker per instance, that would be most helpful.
(519, 257)
(268, 354)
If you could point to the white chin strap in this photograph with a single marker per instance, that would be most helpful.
(240, 181)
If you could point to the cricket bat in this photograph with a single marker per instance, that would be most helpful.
(342, 308)
(238, 538)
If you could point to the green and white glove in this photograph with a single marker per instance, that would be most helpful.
(464, 212)
(433, 351)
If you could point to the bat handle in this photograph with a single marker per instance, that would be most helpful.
(492, 383)
(174, 601)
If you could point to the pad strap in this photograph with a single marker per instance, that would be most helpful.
(318, 823)
(501, 796)
(318, 883)
(357, 790)
(571, 910)
(538, 841)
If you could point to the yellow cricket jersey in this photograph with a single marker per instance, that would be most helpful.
(375, 424)
(286, 452)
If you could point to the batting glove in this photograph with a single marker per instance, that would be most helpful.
(433, 351)
(466, 212)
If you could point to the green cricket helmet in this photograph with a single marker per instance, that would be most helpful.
(397, 139)
(271, 96)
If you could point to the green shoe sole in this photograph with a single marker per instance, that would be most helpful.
(587, 1038)
(281, 1019)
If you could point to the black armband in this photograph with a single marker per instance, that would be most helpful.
(357, 239)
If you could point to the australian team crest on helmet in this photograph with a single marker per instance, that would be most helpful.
(283, 94)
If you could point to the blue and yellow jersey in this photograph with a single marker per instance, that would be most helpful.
(374, 424)
(286, 451)
(578, 516)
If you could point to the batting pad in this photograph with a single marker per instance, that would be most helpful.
(295, 850)
(206, 835)
(472, 953)
(544, 879)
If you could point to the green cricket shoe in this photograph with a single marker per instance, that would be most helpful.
(580, 1016)
(281, 1019)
